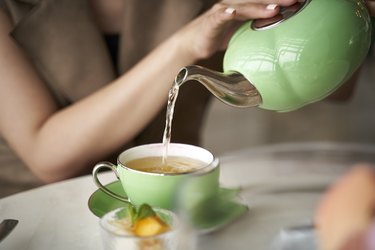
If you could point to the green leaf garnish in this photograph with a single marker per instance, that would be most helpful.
(145, 211)
(128, 211)
(134, 214)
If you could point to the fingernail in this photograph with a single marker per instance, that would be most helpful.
(271, 6)
(230, 10)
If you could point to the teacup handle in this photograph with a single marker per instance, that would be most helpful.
(97, 182)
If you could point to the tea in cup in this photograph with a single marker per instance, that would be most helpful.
(146, 178)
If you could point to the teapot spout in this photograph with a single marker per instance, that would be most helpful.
(231, 88)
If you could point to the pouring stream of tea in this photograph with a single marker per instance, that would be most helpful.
(172, 97)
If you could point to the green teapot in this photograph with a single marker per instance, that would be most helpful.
(298, 57)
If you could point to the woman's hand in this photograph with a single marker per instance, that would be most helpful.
(211, 31)
(371, 6)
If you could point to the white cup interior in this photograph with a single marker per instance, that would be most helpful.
(175, 149)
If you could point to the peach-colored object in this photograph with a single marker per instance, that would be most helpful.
(347, 208)
(150, 226)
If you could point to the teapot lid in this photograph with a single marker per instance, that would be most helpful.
(284, 14)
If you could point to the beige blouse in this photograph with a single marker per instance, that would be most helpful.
(69, 52)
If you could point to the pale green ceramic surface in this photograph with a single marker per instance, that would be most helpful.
(221, 210)
(162, 190)
(305, 58)
(101, 203)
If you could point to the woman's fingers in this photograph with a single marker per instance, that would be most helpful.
(223, 19)
(245, 10)
(218, 24)
(254, 11)
(211, 31)
(264, 2)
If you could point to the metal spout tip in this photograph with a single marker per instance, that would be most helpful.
(181, 76)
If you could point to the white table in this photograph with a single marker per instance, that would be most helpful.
(281, 185)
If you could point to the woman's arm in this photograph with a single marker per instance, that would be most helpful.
(57, 144)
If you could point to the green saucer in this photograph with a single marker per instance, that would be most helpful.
(101, 203)
(221, 211)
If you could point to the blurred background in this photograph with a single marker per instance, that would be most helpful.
(228, 129)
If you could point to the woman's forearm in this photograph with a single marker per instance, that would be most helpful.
(99, 124)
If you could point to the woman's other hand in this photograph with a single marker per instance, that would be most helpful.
(346, 210)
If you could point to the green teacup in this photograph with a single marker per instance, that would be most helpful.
(162, 188)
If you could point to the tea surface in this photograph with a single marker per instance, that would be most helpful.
(172, 165)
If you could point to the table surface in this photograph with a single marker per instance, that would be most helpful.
(281, 184)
